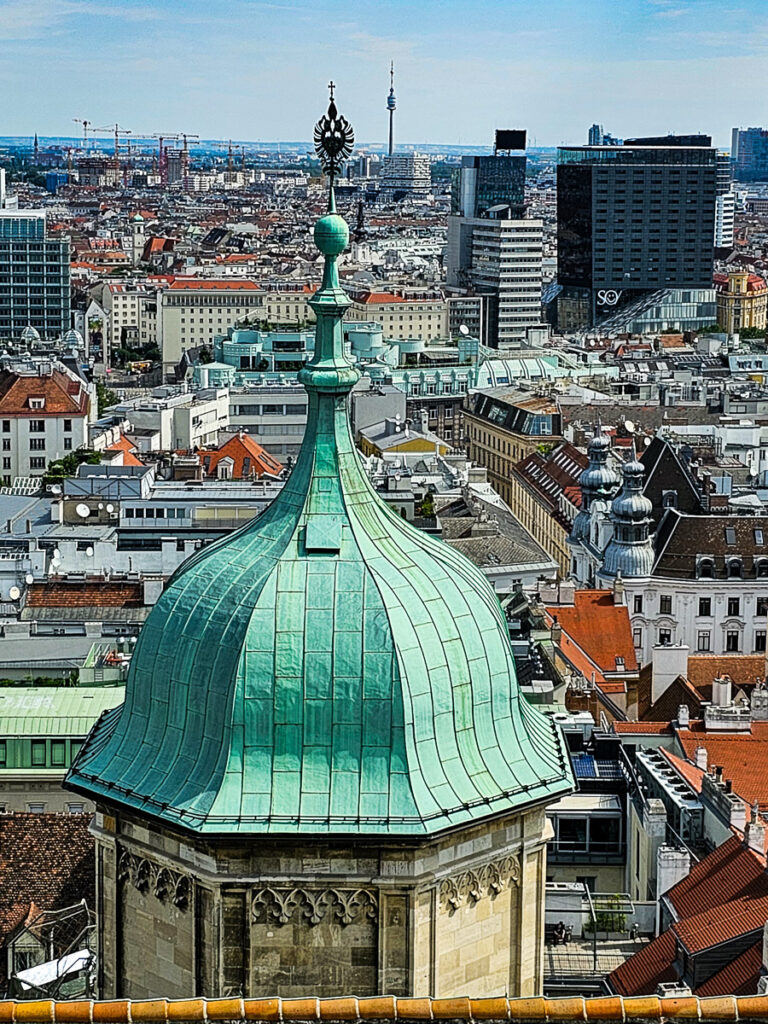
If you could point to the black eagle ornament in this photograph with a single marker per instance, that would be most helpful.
(334, 139)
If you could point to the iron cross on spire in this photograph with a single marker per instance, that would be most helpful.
(331, 86)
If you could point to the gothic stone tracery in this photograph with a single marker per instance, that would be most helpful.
(147, 876)
(469, 887)
(344, 906)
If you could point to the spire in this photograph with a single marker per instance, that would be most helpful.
(391, 105)
(630, 549)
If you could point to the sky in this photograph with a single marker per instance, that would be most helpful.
(254, 70)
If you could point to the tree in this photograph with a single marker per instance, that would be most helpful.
(59, 469)
(105, 397)
(205, 355)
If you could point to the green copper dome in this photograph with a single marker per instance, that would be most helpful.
(328, 668)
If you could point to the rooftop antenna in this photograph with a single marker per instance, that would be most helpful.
(391, 105)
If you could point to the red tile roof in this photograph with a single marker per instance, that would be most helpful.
(85, 595)
(128, 448)
(63, 395)
(46, 860)
(374, 298)
(743, 756)
(239, 448)
(730, 872)
(687, 771)
(200, 284)
(642, 728)
(646, 969)
(723, 897)
(600, 628)
(742, 668)
(738, 978)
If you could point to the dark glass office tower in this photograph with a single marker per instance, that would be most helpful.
(633, 220)
(485, 182)
(749, 154)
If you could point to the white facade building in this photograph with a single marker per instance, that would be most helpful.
(44, 413)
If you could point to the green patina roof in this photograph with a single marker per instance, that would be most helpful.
(328, 668)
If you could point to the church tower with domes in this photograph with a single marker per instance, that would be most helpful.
(324, 779)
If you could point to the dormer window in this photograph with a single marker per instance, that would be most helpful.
(734, 568)
(761, 568)
(37, 402)
(706, 569)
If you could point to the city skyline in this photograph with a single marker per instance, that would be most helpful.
(251, 69)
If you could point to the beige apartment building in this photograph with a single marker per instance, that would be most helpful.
(420, 315)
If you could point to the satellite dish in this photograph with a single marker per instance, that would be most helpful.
(56, 555)
(55, 489)
(82, 510)
(463, 329)
(647, 441)
(14, 593)
(101, 504)
(629, 426)
(29, 578)
(89, 552)
(110, 508)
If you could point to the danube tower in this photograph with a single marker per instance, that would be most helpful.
(391, 104)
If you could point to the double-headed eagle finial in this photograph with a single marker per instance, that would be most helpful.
(334, 138)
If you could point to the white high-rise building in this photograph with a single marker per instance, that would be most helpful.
(500, 258)
(406, 174)
(725, 207)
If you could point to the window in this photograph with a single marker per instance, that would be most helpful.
(703, 641)
(732, 640)
(638, 603)
(705, 606)
(6, 444)
(6, 426)
(760, 641)
(637, 637)
(762, 606)
(734, 605)
(75, 808)
(734, 568)
(67, 426)
(37, 463)
(6, 462)
(37, 444)
(35, 808)
(706, 569)
(761, 568)
(3, 752)
(38, 753)
(665, 637)
(58, 753)
(730, 535)
(665, 604)
(37, 426)
(67, 443)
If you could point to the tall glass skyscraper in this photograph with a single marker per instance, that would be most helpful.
(34, 276)
(632, 220)
(749, 154)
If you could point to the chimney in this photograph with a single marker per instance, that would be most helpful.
(672, 865)
(667, 663)
(700, 757)
(759, 704)
(556, 632)
(619, 596)
(721, 692)
(754, 833)
(683, 716)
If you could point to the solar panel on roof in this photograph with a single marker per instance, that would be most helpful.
(584, 766)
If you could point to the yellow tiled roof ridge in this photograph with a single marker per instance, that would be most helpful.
(384, 1008)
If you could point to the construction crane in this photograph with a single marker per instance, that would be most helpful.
(162, 152)
(86, 125)
(186, 136)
